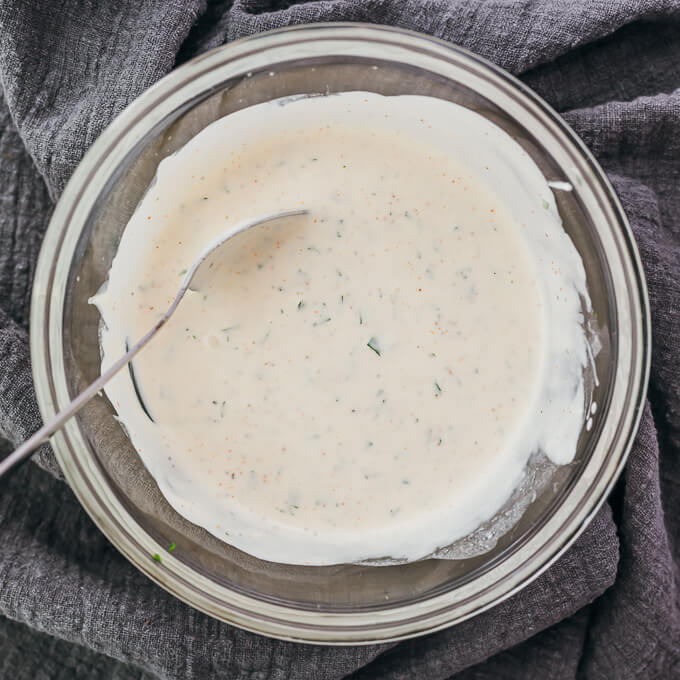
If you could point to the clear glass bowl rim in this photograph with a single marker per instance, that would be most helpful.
(72, 452)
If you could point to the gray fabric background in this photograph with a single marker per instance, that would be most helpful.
(72, 607)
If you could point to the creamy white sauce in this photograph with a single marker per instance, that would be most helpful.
(366, 381)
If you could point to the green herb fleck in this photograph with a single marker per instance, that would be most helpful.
(301, 304)
(373, 344)
(172, 547)
(157, 558)
(338, 234)
(205, 198)
(439, 389)
(314, 250)
(183, 272)
(290, 508)
(546, 205)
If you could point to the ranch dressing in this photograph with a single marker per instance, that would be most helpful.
(368, 380)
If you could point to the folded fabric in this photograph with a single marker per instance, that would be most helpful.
(609, 608)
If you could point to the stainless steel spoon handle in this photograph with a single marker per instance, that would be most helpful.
(205, 261)
(46, 431)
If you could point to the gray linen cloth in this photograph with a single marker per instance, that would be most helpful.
(72, 607)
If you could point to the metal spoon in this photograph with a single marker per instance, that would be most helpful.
(195, 277)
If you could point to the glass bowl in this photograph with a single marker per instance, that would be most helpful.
(344, 603)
